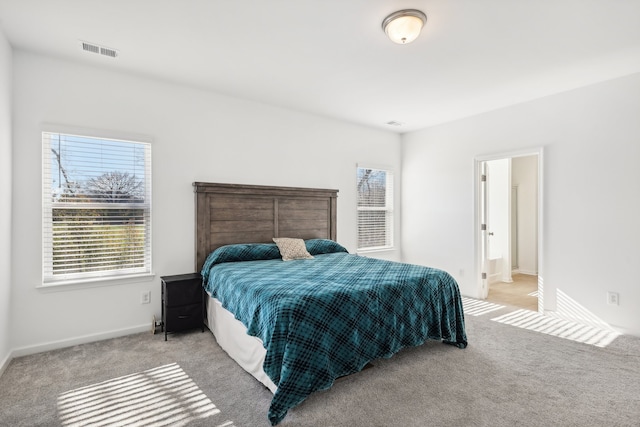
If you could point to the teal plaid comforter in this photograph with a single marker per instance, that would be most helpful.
(326, 317)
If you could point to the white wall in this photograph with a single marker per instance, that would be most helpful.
(591, 140)
(5, 200)
(197, 136)
(524, 174)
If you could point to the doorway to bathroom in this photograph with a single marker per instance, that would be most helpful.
(509, 227)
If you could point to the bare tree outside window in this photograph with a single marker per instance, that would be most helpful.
(115, 187)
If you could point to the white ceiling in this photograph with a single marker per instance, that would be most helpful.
(331, 57)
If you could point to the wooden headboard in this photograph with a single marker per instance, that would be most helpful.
(235, 213)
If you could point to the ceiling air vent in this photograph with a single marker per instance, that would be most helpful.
(108, 52)
(100, 50)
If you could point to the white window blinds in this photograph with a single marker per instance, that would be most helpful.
(96, 207)
(375, 208)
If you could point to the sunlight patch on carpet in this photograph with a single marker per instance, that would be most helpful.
(163, 396)
(474, 307)
(534, 321)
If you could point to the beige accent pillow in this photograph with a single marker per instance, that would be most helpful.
(291, 249)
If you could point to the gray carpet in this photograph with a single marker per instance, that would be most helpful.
(507, 376)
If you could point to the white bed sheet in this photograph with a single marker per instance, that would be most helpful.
(231, 335)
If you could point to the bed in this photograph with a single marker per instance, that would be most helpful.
(298, 325)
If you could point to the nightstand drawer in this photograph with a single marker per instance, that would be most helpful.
(183, 293)
(184, 317)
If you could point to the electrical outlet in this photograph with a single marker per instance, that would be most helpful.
(613, 298)
(145, 297)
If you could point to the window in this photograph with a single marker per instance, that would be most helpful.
(375, 208)
(96, 208)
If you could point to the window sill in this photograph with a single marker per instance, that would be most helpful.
(375, 250)
(67, 285)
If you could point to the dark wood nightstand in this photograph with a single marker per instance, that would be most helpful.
(182, 303)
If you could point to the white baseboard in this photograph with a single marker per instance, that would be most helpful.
(528, 272)
(5, 363)
(54, 345)
(626, 331)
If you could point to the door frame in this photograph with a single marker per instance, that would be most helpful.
(546, 300)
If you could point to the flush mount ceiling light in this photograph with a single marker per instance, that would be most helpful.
(404, 26)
